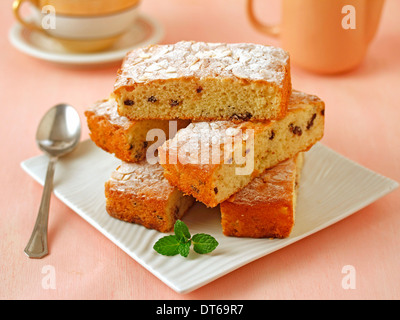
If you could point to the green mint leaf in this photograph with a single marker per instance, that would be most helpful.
(204, 243)
(184, 249)
(181, 231)
(181, 242)
(167, 246)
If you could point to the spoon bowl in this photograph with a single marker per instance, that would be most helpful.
(58, 133)
(59, 130)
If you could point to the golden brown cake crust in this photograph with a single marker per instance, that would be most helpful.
(108, 130)
(120, 136)
(265, 208)
(139, 193)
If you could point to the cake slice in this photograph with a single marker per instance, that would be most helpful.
(204, 81)
(139, 193)
(124, 138)
(265, 208)
(213, 160)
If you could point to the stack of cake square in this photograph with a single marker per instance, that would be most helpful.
(242, 132)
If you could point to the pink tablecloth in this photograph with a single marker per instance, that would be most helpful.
(362, 123)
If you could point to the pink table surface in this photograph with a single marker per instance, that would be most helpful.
(362, 123)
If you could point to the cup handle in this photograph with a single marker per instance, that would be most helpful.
(272, 31)
(30, 25)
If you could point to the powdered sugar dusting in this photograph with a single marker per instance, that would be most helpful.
(141, 179)
(203, 60)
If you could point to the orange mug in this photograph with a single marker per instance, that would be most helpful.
(324, 36)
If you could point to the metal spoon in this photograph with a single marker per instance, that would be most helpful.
(58, 133)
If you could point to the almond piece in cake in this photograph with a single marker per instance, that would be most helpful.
(266, 207)
(139, 193)
(204, 81)
(213, 160)
(124, 138)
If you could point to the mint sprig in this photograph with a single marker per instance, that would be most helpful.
(181, 242)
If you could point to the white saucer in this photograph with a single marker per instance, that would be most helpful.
(145, 31)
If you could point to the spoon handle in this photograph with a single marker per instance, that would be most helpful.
(37, 245)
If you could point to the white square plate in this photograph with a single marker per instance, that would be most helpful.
(332, 188)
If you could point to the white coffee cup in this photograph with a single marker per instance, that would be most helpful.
(83, 26)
